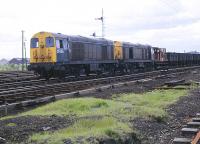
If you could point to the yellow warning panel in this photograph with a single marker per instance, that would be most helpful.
(40, 53)
(118, 50)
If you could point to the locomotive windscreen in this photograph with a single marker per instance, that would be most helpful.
(34, 43)
(49, 42)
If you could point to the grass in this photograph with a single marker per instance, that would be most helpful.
(107, 126)
(11, 124)
(126, 105)
(78, 106)
(150, 104)
(114, 114)
(194, 85)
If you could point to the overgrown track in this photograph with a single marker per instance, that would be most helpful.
(39, 88)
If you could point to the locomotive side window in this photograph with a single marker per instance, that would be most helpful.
(34, 43)
(59, 43)
(65, 44)
(49, 42)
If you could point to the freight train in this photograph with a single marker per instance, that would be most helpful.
(57, 55)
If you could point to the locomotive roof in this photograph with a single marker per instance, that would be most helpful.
(128, 44)
(79, 38)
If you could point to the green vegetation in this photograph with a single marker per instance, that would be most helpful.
(80, 107)
(10, 67)
(150, 104)
(131, 105)
(194, 85)
(11, 124)
(103, 117)
(107, 126)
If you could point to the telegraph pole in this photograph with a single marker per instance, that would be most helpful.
(25, 55)
(22, 50)
(102, 24)
(103, 28)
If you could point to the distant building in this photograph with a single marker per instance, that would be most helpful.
(3, 61)
(18, 61)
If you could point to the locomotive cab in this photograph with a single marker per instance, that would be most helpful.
(45, 51)
(62, 49)
(42, 48)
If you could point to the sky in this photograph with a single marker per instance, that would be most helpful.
(170, 24)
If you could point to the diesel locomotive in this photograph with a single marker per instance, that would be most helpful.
(57, 55)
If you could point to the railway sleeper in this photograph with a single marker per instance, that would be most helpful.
(28, 90)
(61, 91)
(189, 131)
(20, 84)
(182, 141)
(64, 90)
(12, 100)
(197, 119)
(38, 94)
(29, 96)
(190, 139)
(22, 105)
(19, 94)
(193, 124)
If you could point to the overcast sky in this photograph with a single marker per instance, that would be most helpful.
(171, 24)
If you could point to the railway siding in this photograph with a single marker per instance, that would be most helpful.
(33, 91)
(124, 114)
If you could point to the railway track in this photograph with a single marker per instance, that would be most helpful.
(37, 81)
(10, 95)
(190, 133)
(16, 79)
(14, 94)
(16, 76)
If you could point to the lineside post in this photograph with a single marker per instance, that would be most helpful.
(22, 50)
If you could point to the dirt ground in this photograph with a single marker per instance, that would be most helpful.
(154, 132)
(151, 131)
(26, 125)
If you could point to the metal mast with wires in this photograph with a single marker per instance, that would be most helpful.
(24, 59)
(102, 22)
(22, 50)
(25, 55)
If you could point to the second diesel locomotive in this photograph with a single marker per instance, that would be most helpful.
(55, 55)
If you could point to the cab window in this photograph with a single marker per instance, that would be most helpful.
(34, 43)
(49, 42)
(59, 43)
